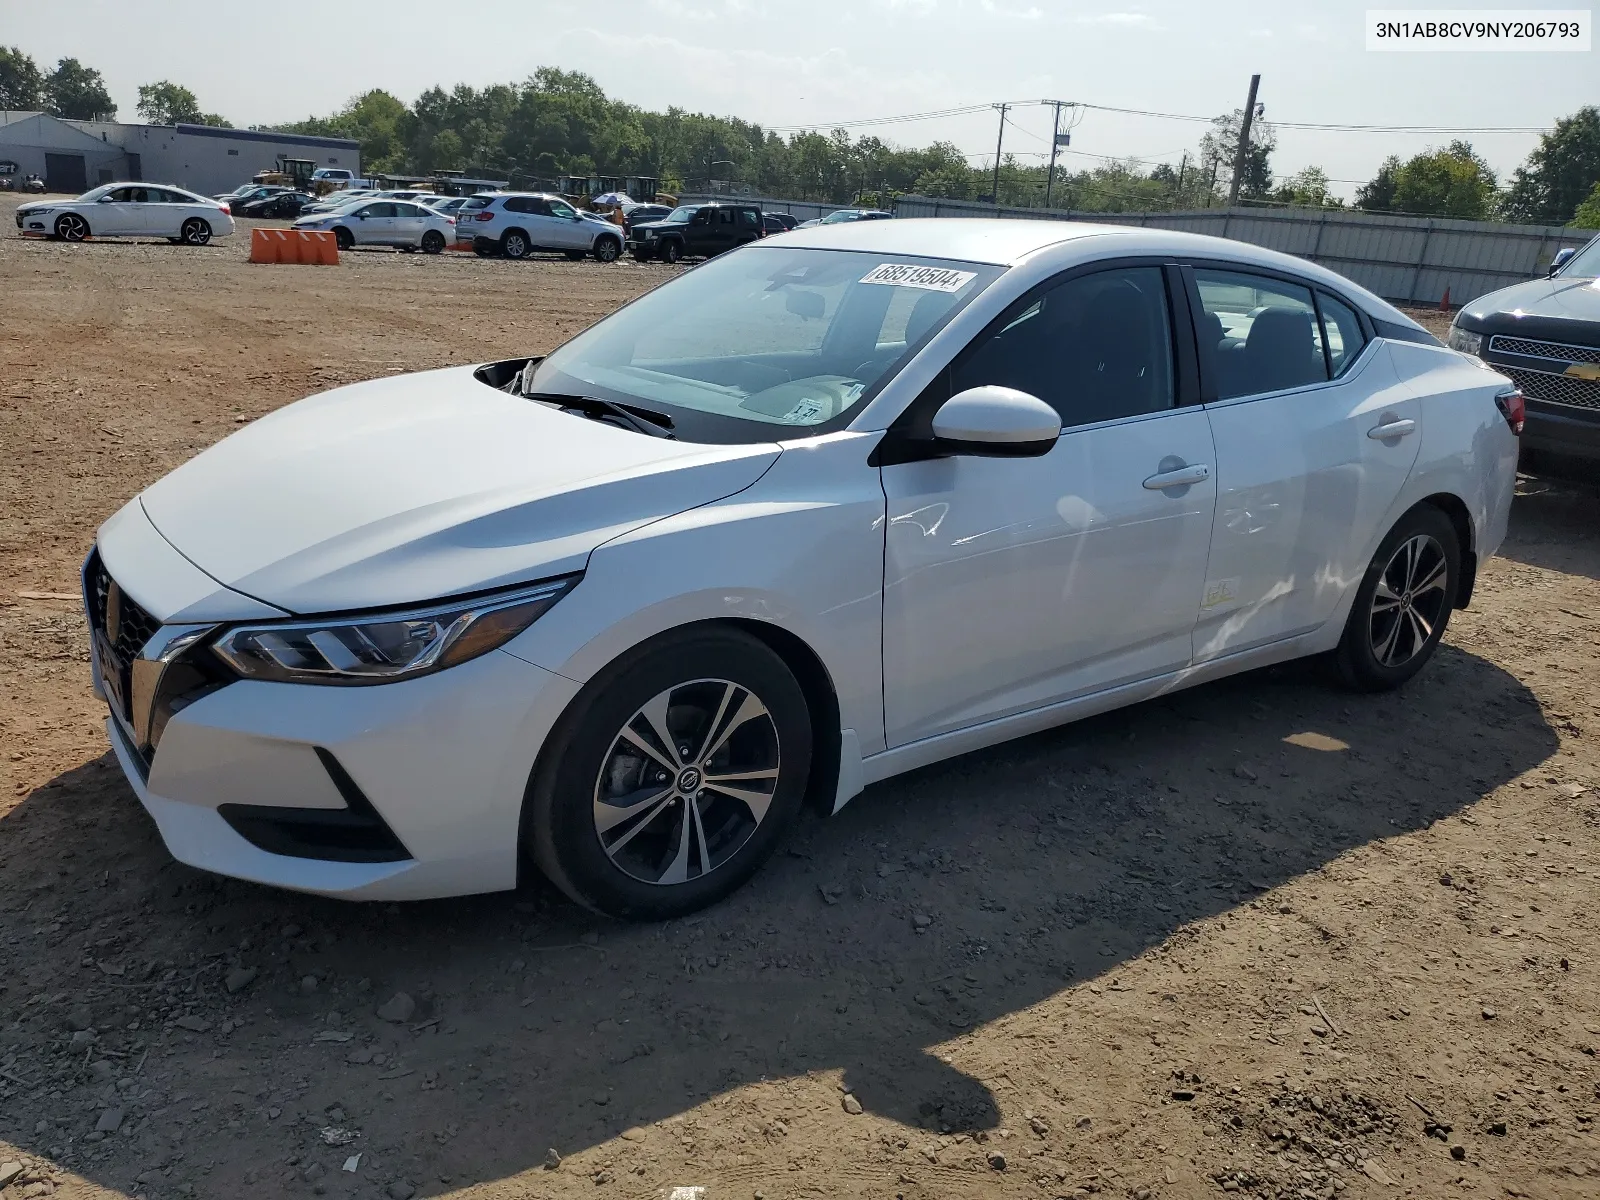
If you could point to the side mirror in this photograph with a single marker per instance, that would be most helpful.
(996, 422)
(1562, 258)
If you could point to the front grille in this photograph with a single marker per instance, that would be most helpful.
(1555, 389)
(134, 626)
(1560, 351)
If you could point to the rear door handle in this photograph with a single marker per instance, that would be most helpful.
(1385, 430)
(1182, 477)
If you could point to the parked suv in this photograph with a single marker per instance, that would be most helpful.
(1545, 334)
(516, 223)
(696, 229)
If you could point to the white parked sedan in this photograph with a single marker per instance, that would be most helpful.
(129, 210)
(823, 510)
(397, 223)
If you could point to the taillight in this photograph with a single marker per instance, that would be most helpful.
(1513, 408)
(226, 209)
(485, 215)
(451, 220)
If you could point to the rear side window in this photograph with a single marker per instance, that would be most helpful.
(528, 204)
(725, 216)
(1341, 333)
(1096, 347)
(750, 218)
(1257, 334)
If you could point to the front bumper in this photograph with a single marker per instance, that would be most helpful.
(443, 760)
(1562, 429)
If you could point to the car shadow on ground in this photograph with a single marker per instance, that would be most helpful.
(935, 903)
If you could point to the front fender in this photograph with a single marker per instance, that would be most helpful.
(800, 549)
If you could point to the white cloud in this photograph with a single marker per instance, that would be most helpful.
(1127, 19)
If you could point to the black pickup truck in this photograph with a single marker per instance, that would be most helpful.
(696, 230)
(1545, 335)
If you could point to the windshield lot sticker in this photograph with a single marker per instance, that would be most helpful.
(929, 279)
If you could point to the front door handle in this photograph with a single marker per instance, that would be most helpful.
(1385, 430)
(1181, 477)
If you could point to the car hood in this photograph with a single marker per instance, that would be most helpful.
(1541, 307)
(423, 486)
(658, 225)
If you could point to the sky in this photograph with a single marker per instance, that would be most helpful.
(787, 63)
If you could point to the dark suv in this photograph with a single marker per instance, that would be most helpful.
(696, 229)
(1545, 335)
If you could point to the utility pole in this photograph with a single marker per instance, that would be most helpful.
(999, 138)
(1055, 140)
(1244, 142)
(1183, 167)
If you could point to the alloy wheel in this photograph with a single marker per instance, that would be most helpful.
(196, 232)
(72, 228)
(687, 781)
(1409, 601)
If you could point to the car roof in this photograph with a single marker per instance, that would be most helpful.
(1061, 244)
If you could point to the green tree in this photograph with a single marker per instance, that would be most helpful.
(1377, 194)
(1307, 188)
(1453, 182)
(21, 85)
(168, 103)
(1587, 214)
(77, 93)
(1220, 146)
(1560, 172)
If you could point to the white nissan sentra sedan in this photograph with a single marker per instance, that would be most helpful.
(823, 510)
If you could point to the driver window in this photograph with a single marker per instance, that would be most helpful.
(1095, 348)
(138, 196)
(565, 211)
(703, 217)
(120, 196)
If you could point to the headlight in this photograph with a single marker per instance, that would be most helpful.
(1465, 340)
(388, 646)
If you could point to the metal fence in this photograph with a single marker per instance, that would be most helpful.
(1416, 260)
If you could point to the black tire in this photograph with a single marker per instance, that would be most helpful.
(607, 249)
(1403, 604)
(671, 250)
(70, 227)
(195, 232)
(343, 238)
(432, 242)
(514, 244)
(705, 675)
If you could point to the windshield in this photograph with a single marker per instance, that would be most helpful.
(1585, 264)
(680, 216)
(764, 338)
(845, 214)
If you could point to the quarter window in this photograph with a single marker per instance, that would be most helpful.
(1341, 333)
(1096, 348)
(1256, 334)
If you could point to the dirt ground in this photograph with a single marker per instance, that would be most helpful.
(1263, 937)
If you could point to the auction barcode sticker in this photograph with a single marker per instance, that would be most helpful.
(930, 279)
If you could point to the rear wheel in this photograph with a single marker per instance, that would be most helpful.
(607, 249)
(195, 232)
(1403, 604)
(343, 238)
(676, 775)
(432, 242)
(515, 244)
(70, 227)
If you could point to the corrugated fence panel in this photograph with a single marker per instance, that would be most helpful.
(1409, 259)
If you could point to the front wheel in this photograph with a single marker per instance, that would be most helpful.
(195, 232)
(671, 251)
(343, 238)
(673, 778)
(1403, 604)
(70, 227)
(432, 242)
(607, 249)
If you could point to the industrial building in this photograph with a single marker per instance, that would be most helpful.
(74, 156)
